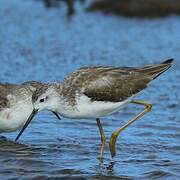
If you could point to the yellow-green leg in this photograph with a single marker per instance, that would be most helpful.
(103, 138)
(112, 143)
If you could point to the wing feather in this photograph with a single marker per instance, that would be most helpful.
(115, 84)
(8, 92)
(111, 83)
(3, 96)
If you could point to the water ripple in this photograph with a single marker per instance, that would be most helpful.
(43, 45)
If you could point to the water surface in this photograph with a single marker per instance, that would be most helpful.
(46, 45)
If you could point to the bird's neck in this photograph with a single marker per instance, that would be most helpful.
(58, 86)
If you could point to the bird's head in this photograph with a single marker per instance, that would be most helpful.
(45, 98)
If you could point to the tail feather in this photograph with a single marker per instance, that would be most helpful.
(155, 70)
(168, 61)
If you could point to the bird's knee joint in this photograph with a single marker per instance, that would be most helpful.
(149, 106)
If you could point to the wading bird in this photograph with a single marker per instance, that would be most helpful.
(16, 104)
(94, 92)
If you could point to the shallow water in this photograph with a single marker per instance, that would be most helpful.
(45, 45)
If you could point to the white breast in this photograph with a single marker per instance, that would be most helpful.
(85, 108)
(11, 119)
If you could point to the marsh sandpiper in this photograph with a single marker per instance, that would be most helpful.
(94, 92)
(16, 104)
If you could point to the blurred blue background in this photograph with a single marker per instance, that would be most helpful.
(46, 44)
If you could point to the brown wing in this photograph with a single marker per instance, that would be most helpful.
(5, 90)
(3, 96)
(115, 84)
(3, 102)
(111, 83)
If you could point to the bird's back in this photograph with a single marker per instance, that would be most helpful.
(112, 84)
(11, 93)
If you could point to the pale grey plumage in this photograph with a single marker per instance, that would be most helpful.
(112, 84)
(15, 104)
(94, 92)
(18, 91)
(102, 83)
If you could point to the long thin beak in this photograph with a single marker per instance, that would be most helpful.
(56, 114)
(34, 112)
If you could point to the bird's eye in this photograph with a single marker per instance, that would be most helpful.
(41, 100)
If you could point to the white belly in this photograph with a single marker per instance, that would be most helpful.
(85, 108)
(12, 119)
